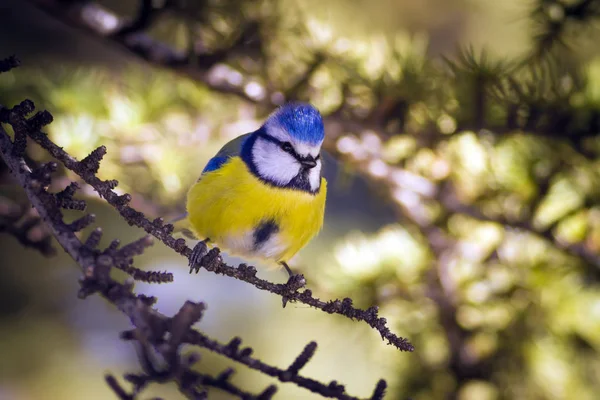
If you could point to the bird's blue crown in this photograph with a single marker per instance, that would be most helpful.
(301, 120)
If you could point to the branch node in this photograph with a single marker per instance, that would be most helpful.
(225, 375)
(295, 282)
(335, 387)
(104, 261)
(82, 223)
(303, 358)
(117, 388)
(123, 200)
(372, 312)
(88, 285)
(24, 108)
(19, 144)
(233, 346)
(247, 270)
(43, 173)
(268, 393)
(94, 238)
(137, 247)
(138, 381)
(333, 306)
(65, 198)
(379, 391)
(40, 119)
(158, 222)
(180, 246)
(92, 161)
(168, 229)
(188, 315)
(212, 260)
(246, 352)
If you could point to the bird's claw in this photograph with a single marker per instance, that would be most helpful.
(198, 252)
(293, 284)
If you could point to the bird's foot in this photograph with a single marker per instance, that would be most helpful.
(198, 252)
(295, 282)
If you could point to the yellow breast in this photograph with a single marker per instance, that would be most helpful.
(246, 216)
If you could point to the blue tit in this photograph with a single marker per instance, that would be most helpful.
(263, 195)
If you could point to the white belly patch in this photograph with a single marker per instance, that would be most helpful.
(272, 247)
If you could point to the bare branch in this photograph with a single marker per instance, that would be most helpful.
(290, 292)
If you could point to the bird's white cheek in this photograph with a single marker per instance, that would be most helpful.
(273, 164)
(314, 176)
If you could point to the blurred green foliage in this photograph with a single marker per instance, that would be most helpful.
(490, 158)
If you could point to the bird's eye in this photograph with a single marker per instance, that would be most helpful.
(287, 147)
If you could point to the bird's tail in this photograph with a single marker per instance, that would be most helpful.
(181, 224)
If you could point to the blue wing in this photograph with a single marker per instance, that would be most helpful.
(214, 164)
(231, 149)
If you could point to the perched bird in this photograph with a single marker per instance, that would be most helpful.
(262, 195)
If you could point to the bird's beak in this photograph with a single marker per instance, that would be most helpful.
(308, 162)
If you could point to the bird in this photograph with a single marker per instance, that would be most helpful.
(263, 195)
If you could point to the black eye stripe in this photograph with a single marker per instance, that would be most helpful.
(287, 146)
(270, 139)
(292, 151)
(281, 144)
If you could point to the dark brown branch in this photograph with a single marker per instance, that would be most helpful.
(290, 293)
(151, 327)
(234, 351)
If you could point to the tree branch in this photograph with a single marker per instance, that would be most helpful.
(156, 334)
(290, 292)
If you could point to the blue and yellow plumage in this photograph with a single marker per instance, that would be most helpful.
(262, 195)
